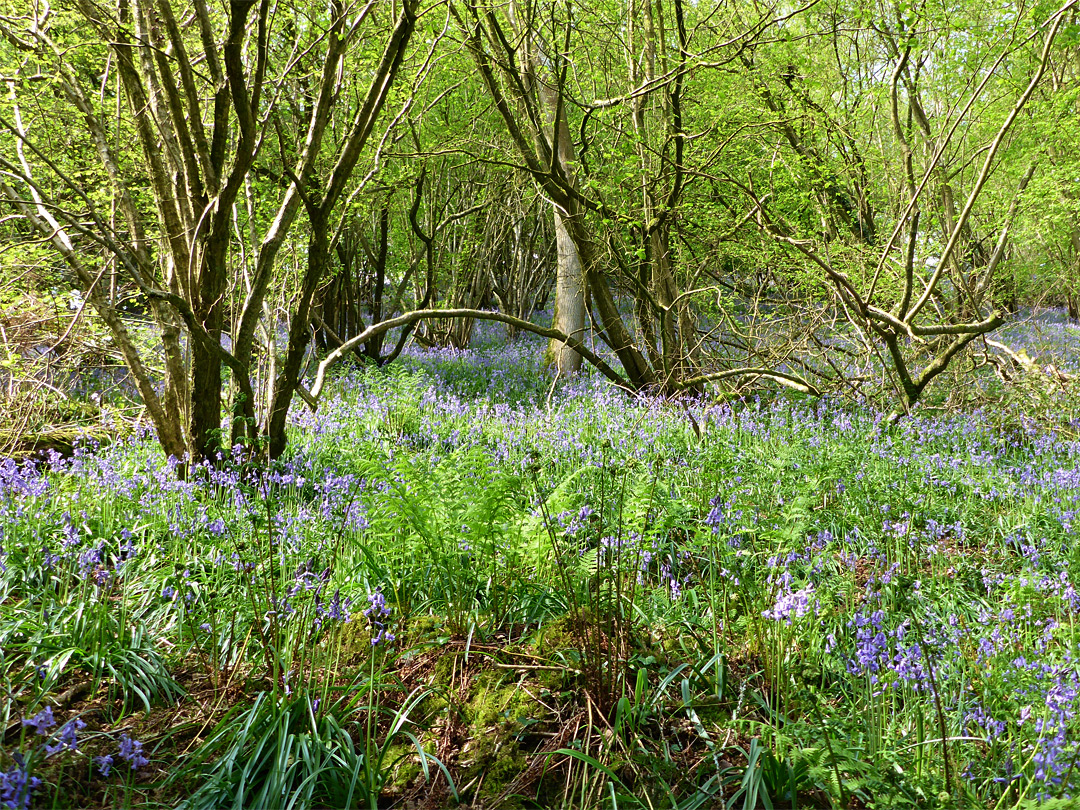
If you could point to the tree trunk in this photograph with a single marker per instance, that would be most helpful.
(299, 333)
(204, 436)
(569, 315)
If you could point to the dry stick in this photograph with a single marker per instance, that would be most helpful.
(78, 314)
(788, 380)
(1027, 363)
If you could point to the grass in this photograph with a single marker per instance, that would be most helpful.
(575, 599)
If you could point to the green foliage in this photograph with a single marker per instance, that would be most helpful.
(289, 751)
(739, 603)
(654, 582)
(453, 520)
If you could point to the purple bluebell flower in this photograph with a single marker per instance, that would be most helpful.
(104, 764)
(42, 721)
(381, 636)
(131, 751)
(792, 605)
(67, 738)
(128, 549)
(91, 558)
(377, 606)
(71, 532)
(375, 613)
(17, 786)
(336, 610)
(716, 514)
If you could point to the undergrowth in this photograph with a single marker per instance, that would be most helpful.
(570, 600)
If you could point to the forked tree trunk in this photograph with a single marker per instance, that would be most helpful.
(205, 425)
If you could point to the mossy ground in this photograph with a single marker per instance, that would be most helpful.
(495, 712)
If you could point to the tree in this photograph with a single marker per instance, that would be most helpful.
(1049, 226)
(933, 161)
(203, 123)
(788, 194)
(532, 104)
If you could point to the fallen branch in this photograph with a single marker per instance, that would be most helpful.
(1030, 365)
(789, 380)
(481, 315)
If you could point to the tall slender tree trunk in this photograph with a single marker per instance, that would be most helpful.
(299, 333)
(569, 315)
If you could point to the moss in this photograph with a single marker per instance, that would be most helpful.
(355, 642)
(443, 671)
(507, 765)
(498, 698)
(556, 638)
(491, 747)
(495, 709)
(405, 770)
(426, 625)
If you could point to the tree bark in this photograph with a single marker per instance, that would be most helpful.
(569, 317)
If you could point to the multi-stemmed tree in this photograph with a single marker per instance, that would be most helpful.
(210, 97)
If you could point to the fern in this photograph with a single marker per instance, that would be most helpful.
(455, 520)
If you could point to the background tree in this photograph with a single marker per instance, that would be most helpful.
(954, 175)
